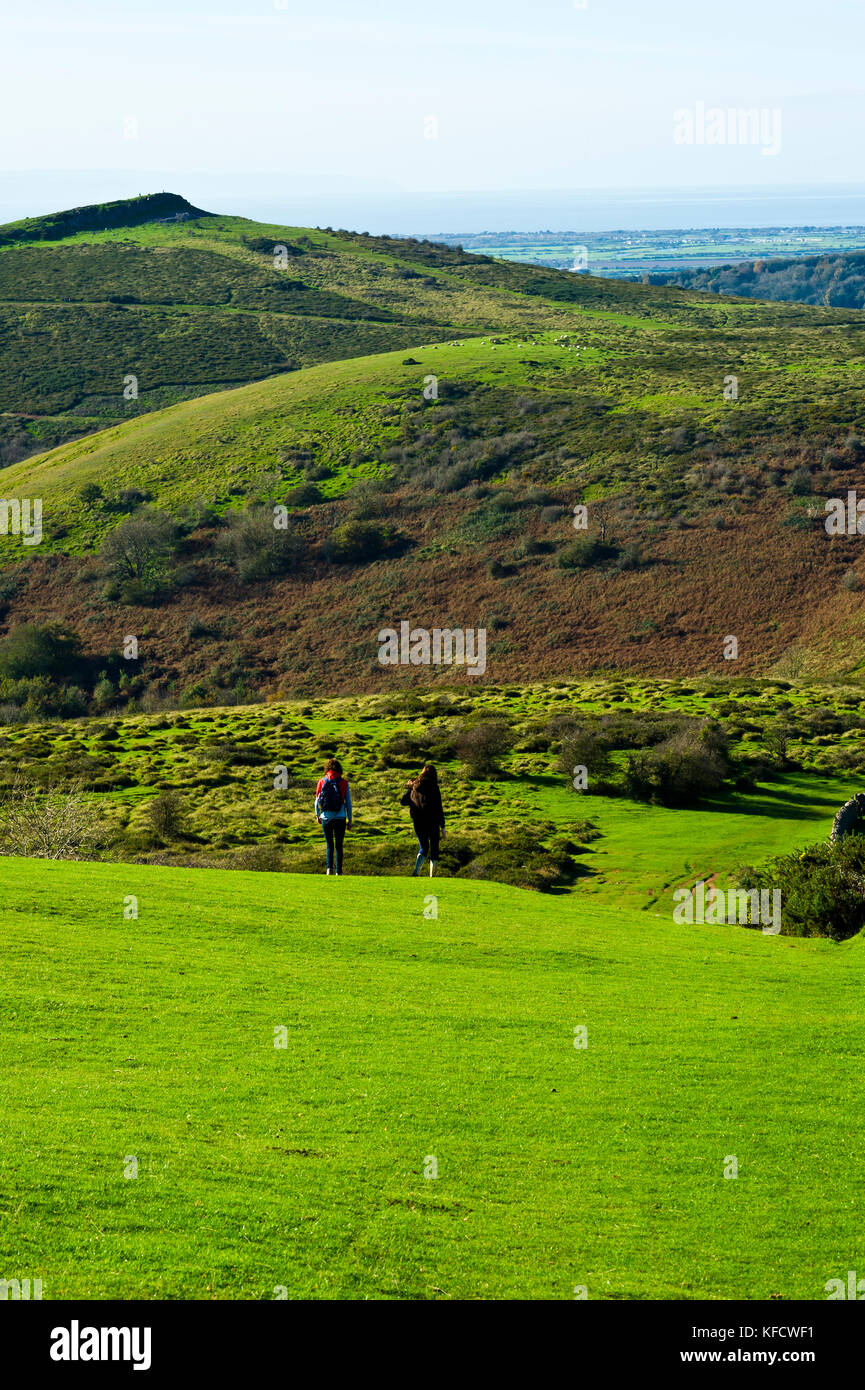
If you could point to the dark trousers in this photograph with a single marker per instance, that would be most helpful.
(428, 839)
(334, 834)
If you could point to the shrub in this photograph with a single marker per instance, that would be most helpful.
(481, 745)
(681, 770)
(263, 858)
(520, 858)
(257, 548)
(50, 650)
(586, 552)
(137, 553)
(822, 888)
(197, 628)
(412, 750)
(47, 824)
(304, 495)
(166, 814)
(583, 746)
(129, 498)
(358, 542)
(90, 495)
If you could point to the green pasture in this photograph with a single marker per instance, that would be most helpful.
(268, 1170)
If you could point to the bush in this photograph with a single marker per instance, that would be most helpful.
(583, 746)
(166, 814)
(304, 495)
(520, 858)
(48, 824)
(481, 745)
(129, 498)
(137, 554)
(257, 548)
(51, 650)
(90, 495)
(822, 888)
(267, 859)
(358, 542)
(585, 553)
(412, 750)
(681, 770)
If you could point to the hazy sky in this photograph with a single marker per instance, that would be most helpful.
(393, 97)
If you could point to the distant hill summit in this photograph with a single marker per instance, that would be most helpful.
(101, 217)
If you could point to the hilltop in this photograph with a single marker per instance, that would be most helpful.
(154, 301)
(100, 217)
(443, 416)
(186, 303)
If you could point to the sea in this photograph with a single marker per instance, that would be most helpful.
(410, 213)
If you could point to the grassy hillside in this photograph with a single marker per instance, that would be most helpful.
(431, 472)
(99, 217)
(519, 820)
(189, 302)
(302, 1168)
(697, 497)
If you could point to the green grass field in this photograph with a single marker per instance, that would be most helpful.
(222, 763)
(302, 1168)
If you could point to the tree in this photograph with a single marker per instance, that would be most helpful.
(45, 824)
(167, 813)
(52, 650)
(140, 547)
(355, 542)
(481, 745)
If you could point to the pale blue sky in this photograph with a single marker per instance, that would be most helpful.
(335, 99)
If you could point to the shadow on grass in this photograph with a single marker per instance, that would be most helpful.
(779, 801)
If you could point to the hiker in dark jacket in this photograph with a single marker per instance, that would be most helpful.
(424, 801)
(333, 813)
(850, 818)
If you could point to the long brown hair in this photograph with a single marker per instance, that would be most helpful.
(334, 766)
(428, 777)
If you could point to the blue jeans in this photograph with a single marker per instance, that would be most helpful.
(334, 834)
(427, 842)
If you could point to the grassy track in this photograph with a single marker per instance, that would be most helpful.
(303, 1167)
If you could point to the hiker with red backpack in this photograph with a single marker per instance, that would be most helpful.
(424, 801)
(333, 813)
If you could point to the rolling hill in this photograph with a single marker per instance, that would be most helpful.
(188, 302)
(444, 416)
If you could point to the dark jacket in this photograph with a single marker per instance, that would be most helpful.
(424, 801)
